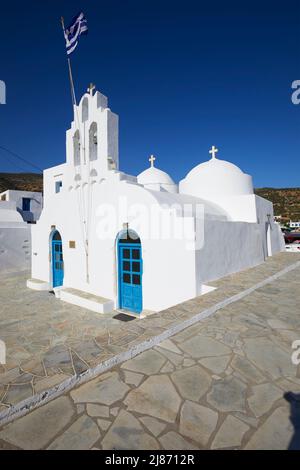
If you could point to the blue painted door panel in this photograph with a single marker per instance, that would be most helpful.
(130, 277)
(57, 263)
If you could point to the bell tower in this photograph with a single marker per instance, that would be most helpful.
(92, 141)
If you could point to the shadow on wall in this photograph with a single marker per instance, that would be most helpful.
(294, 401)
(27, 216)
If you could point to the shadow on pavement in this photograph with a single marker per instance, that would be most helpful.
(294, 401)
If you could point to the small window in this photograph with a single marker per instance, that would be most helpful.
(126, 278)
(25, 204)
(58, 186)
(56, 236)
(76, 148)
(126, 265)
(126, 254)
(136, 254)
(136, 279)
(85, 110)
(136, 267)
(93, 141)
(3, 197)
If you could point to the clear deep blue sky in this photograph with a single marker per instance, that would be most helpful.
(182, 75)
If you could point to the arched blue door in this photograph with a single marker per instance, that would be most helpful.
(57, 260)
(130, 272)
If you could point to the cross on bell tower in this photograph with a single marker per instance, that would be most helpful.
(213, 151)
(91, 88)
(152, 160)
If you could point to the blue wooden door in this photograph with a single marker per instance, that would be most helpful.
(130, 277)
(57, 263)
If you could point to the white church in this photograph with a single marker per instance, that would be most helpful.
(107, 240)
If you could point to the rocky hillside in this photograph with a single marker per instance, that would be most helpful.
(286, 201)
(21, 181)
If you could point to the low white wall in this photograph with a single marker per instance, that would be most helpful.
(271, 235)
(229, 247)
(15, 246)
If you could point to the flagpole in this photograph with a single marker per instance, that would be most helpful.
(73, 96)
(86, 247)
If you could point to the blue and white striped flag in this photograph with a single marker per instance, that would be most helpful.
(77, 27)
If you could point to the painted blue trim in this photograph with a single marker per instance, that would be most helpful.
(58, 186)
(130, 295)
(57, 261)
(26, 204)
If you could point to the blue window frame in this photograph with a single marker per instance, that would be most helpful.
(58, 186)
(26, 204)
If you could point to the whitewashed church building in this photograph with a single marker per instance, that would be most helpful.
(107, 240)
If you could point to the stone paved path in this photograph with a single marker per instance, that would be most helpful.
(50, 342)
(222, 383)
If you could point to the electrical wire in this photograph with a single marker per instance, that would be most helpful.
(21, 158)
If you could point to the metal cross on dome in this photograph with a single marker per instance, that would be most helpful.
(91, 88)
(213, 151)
(152, 160)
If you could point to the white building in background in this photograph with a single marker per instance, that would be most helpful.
(294, 224)
(108, 240)
(18, 210)
(28, 203)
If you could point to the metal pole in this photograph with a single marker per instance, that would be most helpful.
(74, 102)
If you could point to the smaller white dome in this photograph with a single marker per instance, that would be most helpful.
(154, 176)
(156, 180)
(10, 215)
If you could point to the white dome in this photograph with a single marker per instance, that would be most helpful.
(154, 176)
(214, 165)
(216, 178)
(156, 179)
(10, 215)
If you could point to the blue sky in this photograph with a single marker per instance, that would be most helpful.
(182, 75)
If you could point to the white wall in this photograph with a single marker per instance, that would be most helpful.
(169, 269)
(268, 228)
(15, 236)
(239, 208)
(15, 249)
(229, 247)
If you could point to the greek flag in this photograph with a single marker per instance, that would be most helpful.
(77, 27)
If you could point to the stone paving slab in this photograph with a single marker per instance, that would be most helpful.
(174, 397)
(49, 342)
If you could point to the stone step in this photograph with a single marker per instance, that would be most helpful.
(37, 284)
(86, 300)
